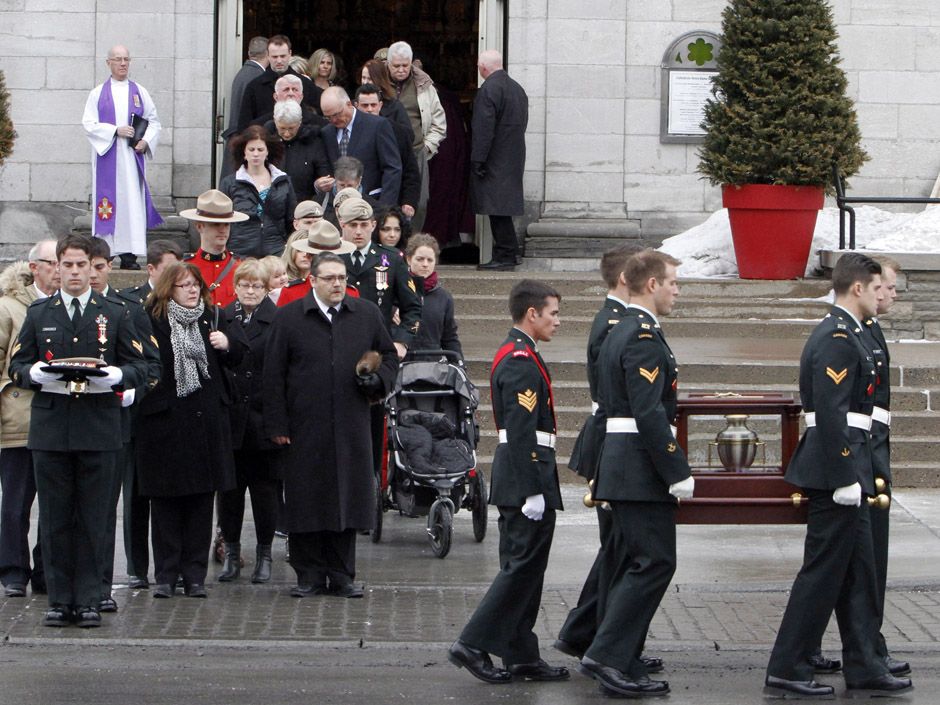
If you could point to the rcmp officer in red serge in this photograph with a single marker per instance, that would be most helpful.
(578, 631)
(832, 464)
(213, 216)
(75, 437)
(525, 490)
(641, 473)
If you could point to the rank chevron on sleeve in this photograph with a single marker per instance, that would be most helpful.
(649, 375)
(836, 377)
(527, 400)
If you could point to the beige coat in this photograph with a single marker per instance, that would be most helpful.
(433, 119)
(16, 294)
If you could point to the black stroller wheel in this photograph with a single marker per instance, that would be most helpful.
(478, 507)
(379, 511)
(440, 528)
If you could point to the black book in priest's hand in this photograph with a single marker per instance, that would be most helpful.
(140, 128)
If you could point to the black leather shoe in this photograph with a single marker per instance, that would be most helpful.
(880, 686)
(196, 590)
(14, 590)
(806, 690)
(107, 604)
(824, 664)
(539, 671)
(566, 647)
(136, 583)
(494, 266)
(163, 591)
(349, 590)
(897, 668)
(309, 590)
(86, 617)
(617, 682)
(653, 664)
(477, 662)
(57, 617)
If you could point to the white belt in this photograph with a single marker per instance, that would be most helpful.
(625, 424)
(594, 407)
(852, 418)
(542, 438)
(881, 415)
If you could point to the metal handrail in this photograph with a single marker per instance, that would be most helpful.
(842, 200)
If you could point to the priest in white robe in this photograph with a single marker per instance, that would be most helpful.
(123, 209)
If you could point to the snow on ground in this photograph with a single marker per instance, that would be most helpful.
(706, 250)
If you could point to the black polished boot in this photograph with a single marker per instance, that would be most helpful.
(231, 568)
(262, 571)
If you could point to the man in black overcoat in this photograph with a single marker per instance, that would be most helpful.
(329, 484)
(526, 493)
(833, 467)
(578, 631)
(254, 66)
(641, 473)
(76, 437)
(497, 155)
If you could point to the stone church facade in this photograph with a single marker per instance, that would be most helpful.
(592, 69)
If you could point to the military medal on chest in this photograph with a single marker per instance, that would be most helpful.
(102, 322)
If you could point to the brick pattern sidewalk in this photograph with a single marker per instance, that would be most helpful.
(436, 614)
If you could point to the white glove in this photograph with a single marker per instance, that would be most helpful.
(850, 495)
(534, 507)
(40, 376)
(128, 398)
(101, 385)
(683, 489)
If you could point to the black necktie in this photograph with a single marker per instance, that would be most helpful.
(344, 142)
(76, 313)
(332, 312)
(357, 256)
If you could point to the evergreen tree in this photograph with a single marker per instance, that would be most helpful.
(779, 114)
(7, 133)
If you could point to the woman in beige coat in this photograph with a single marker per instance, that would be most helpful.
(16, 464)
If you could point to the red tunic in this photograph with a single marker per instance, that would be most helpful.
(211, 266)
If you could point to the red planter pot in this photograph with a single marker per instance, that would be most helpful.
(772, 228)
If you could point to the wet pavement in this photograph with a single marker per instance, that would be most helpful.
(249, 643)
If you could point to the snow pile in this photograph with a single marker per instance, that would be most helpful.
(707, 251)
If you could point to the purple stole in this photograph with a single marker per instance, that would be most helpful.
(106, 164)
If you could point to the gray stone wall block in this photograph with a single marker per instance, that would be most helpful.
(706, 14)
(69, 73)
(649, 11)
(841, 11)
(928, 49)
(904, 87)
(660, 225)
(193, 108)
(60, 182)
(155, 73)
(192, 145)
(523, 9)
(14, 181)
(653, 192)
(878, 121)
(919, 187)
(40, 143)
(932, 330)
(166, 104)
(193, 74)
(537, 115)
(593, 10)
(642, 116)
(584, 154)
(24, 72)
(643, 82)
(598, 116)
(586, 42)
(869, 47)
(160, 179)
(867, 183)
(713, 200)
(645, 154)
(527, 42)
(911, 12)
(531, 77)
(193, 36)
(145, 34)
(906, 157)
(587, 186)
(646, 41)
(47, 34)
(591, 209)
(189, 181)
(25, 223)
(48, 107)
(164, 154)
(586, 82)
(533, 185)
(60, 5)
(919, 121)
(535, 151)
(122, 7)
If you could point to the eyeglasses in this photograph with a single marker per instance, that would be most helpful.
(338, 278)
(187, 285)
(50, 262)
(252, 287)
(120, 59)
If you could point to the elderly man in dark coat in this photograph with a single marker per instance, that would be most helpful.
(497, 152)
(316, 402)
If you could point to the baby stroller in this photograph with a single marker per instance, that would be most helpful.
(432, 440)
